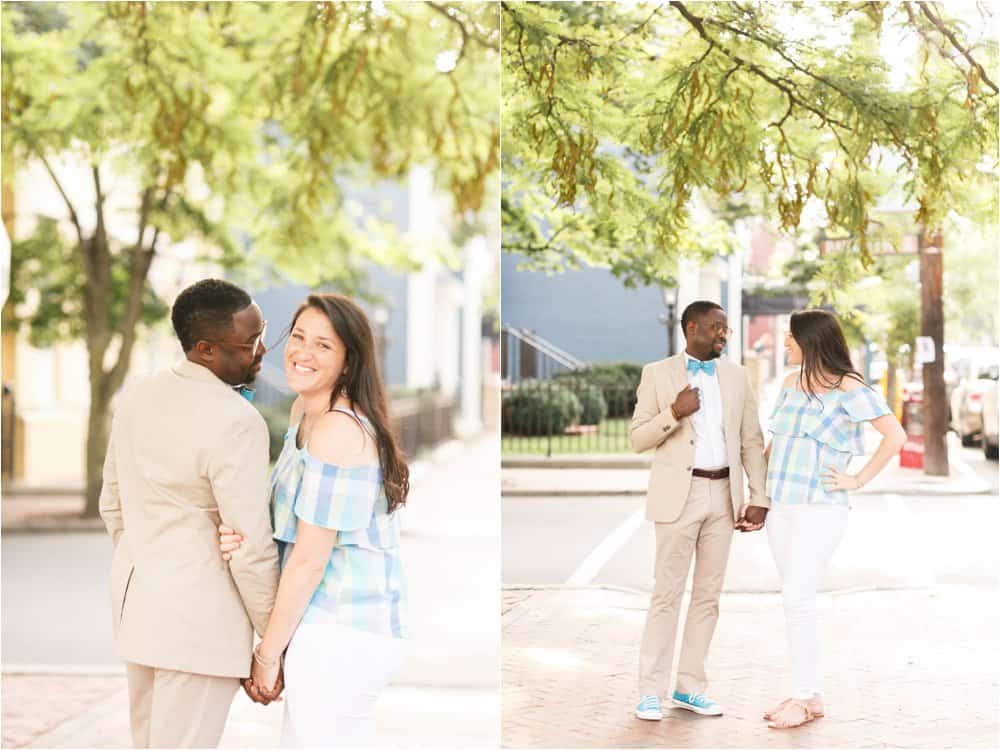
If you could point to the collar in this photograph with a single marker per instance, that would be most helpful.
(185, 368)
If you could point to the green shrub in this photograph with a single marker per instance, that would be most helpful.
(594, 407)
(276, 418)
(536, 407)
(618, 382)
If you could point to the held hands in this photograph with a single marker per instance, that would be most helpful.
(265, 683)
(839, 480)
(229, 541)
(688, 401)
(751, 518)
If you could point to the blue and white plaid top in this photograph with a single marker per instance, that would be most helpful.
(813, 433)
(363, 585)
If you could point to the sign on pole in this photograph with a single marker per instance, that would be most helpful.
(925, 353)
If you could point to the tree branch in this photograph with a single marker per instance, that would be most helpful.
(467, 35)
(640, 26)
(142, 260)
(792, 94)
(950, 36)
(48, 168)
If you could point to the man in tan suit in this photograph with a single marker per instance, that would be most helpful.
(186, 452)
(699, 413)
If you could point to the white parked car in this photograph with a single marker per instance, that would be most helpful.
(991, 442)
(967, 397)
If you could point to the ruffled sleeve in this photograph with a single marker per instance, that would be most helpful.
(336, 497)
(778, 403)
(864, 404)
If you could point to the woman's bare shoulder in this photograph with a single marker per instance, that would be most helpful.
(852, 383)
(339, 439)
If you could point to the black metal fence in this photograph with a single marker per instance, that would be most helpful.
(8, 420)
(569, 414)
(423, 422)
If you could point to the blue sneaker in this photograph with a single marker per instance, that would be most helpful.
(700, 704)
(649, 708)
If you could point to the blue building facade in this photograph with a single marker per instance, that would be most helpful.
(588, 313)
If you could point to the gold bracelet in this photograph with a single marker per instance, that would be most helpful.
(261, 660)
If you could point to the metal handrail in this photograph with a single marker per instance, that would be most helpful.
(546, 347)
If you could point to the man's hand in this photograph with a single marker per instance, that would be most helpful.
(688, 401)
(751, 518)
(258, 694)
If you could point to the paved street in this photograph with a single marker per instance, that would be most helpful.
(909, 617)
(62, 685)
(892, 540)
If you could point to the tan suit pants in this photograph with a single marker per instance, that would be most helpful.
(177, 709)
(705, 529)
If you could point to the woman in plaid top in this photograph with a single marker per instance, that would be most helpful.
(339, 621)
(816, 428)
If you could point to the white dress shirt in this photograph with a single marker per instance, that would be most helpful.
(710, 438)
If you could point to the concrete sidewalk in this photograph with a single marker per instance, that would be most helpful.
(447, 693)
(911, 668)
(74, 711)
(604, 475)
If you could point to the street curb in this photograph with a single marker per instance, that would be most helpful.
(583, 461)
(55, 525)
(771, 593)
(541, 494)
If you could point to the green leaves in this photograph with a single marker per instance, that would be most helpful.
(257, 120)
(797, 109)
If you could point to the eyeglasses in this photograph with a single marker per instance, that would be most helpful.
(257, 342)
(719, 328)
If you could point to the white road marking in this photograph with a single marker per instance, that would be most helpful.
(607, 549)
(956, 460)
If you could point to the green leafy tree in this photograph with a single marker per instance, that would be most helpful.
(240, 125)
(622, 122)
(625, 124)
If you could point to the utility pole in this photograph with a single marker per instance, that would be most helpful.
(934, 407)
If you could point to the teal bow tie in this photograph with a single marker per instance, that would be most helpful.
(247, 393)
(707, 367)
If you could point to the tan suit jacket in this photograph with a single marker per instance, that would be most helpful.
(187, 452)
(653, 426)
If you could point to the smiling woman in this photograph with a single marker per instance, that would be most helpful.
(336, 487)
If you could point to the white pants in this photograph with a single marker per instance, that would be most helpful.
(333, 677)
(802, 539)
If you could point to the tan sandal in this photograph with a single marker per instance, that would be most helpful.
(770, 714)
(793, 714)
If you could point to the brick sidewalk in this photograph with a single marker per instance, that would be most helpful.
(915, 669)
(72, 711)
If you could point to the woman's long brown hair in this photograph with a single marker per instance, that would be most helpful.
(362, 384)
(826, 360)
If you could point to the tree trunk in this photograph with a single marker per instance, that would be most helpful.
(98, 432)
(935, 405)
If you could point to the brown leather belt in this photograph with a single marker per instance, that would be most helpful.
(712, 474)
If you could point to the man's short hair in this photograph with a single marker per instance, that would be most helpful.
(205, 310)
(696, 310)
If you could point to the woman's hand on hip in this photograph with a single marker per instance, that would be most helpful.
(229, 541)
(834, 480)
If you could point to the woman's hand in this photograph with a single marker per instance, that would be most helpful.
(839, 480)
(229, 541)
(265, 677)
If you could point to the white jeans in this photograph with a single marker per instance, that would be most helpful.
(802, 539)
(333, 677)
